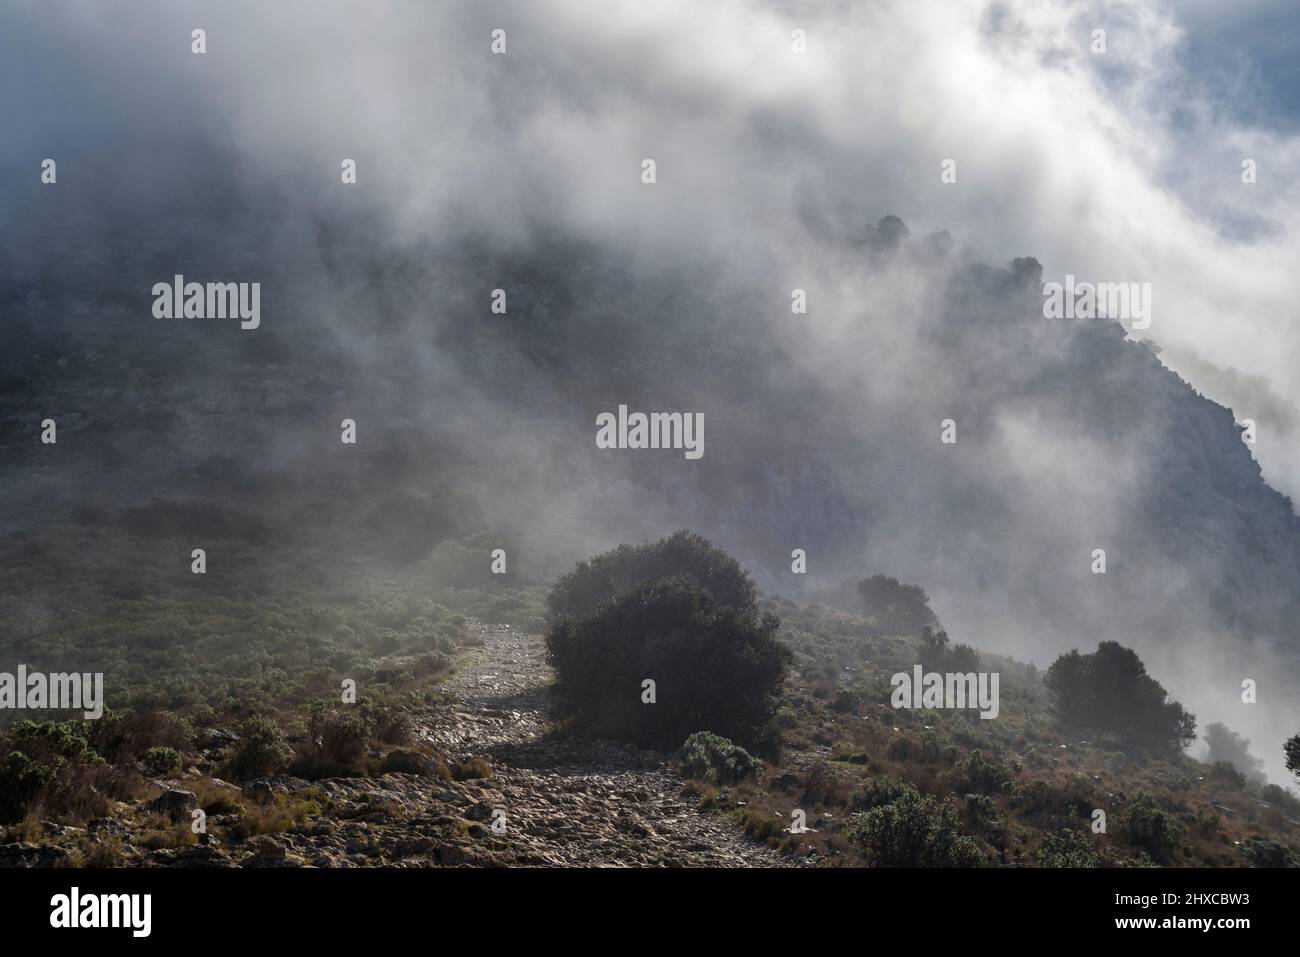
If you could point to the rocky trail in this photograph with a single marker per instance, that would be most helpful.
(573, 801)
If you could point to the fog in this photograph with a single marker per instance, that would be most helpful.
(523, 171)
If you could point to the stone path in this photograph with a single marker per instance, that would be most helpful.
(573, 801)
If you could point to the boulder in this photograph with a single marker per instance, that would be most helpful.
(174, 804)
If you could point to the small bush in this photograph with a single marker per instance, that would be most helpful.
(980, 807)
(21, 780)
(125, 736)
(1037, 797)
(161, 761)
(1262, 852)
(878, 792)
(284, 813)
(983, 775)
(338, 741)
(104, 853)
(915, 831)
(1148, 827)
(470, 769)
(261, 750)
(709, 757)
(49, 764)
(390, 724)
(1068, 849)
(215, 798)
(823, 785)
(760, 826)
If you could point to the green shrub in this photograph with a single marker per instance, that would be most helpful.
(1262, 852)
(1068, 849)
(162, 761)
(980, 807)
(759, 825)
(261, 750)
(1148, 827)
(49, 742)
(21, 780)
(389, 724)
(877, 792)
(43, 760)
(337, 742)
(124, 736)
(915, 831)
(1037, 797)
(709, 757)
(983, 775)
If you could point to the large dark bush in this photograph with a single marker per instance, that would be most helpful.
(683, 555)
(715, 662)
(1110, 691)
(897, 608)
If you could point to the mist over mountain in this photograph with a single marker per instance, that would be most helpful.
(822, 430)
(1069, 436)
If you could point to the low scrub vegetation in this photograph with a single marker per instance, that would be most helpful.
(712, 758)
